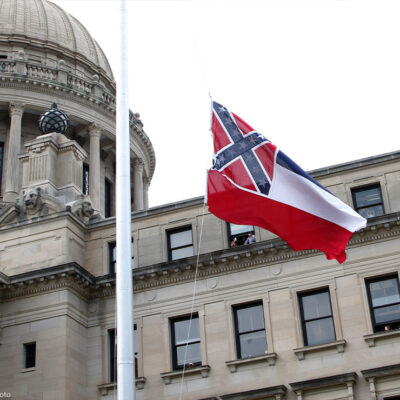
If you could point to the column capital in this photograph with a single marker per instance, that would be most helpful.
(138, 163)
(94, 129)
(16, 108)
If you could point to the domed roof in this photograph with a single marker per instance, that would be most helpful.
(44, 21)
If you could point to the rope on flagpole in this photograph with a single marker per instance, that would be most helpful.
(196, 49)
(193, 299)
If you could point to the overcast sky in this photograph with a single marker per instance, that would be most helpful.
(320, 79)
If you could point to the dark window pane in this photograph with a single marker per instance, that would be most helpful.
(320, 331)
(181, 253)
(316, 305)
(368, 196)
(250, 318)
(193, 355)
(179, 239)
(253, 344)
(384, 292)
(181, 331)
(29, 355)
(387, 314)
(107, 198)
(1, 163)
(85, 179)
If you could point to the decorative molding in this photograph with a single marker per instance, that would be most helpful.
(371, 339)
(202, 371)
(302, 351)
(105, 388)
(233, 365)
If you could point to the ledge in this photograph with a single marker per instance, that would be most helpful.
(373, 337)
(234, 364)
(302, 351)
(202, 370)
(387, 370)
(324, 382)
(259, 394)
(105, 388)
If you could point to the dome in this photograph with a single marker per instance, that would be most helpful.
(46, 24)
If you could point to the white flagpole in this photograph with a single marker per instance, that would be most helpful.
(124, 286)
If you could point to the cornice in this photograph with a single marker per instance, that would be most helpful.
(260, 254)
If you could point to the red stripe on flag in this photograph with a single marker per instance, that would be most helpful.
(220, 137)
(238, 173)
(243, 126)
(301, 230)
(266, 156)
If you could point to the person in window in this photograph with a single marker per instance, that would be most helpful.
(234, 242)
(250, 239)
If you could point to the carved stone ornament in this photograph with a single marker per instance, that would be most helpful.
(83, 209)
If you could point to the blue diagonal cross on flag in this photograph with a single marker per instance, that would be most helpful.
(241, 147)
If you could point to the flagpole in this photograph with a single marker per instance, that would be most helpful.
(124, 286)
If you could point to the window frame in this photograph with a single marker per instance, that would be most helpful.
(237, 334)
(174, 346)
(370, 304)
(1, 164)
(27, 347)
(358, 189)
(85, 179)
(243, 236)
(107, 198)
(178, 230)
(113, 263)
(300, 295)
(112, 353)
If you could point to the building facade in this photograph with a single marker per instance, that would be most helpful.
(215, 318)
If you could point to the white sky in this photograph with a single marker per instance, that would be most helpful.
(320, 79)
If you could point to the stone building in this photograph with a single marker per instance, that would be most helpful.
(267, 323)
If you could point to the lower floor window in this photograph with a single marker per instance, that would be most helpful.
(317, 318)
(185, 338)
(250, 335)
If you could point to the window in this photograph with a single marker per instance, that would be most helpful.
(112, 340)
(112, 256)
(180, 243)
(368, 201)
(317, 319)
(30, 355)
(107, 198)
(238, 234)
(85, 179)
(1, 162)
(384, 302)
(250, 335)
(185, 340)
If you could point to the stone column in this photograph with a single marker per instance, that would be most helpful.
(146, 184)
(94, 166)
(14, 147)
(138, 185)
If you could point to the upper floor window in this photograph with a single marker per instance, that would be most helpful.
(112, 256)
(317, 318)
(368, 201)
(384, 301)
(85, 179)
(107, 198)
(185, 341)
(30, 355)
(1, 162)
(180, 243)
(240, 234)
(250, 334)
